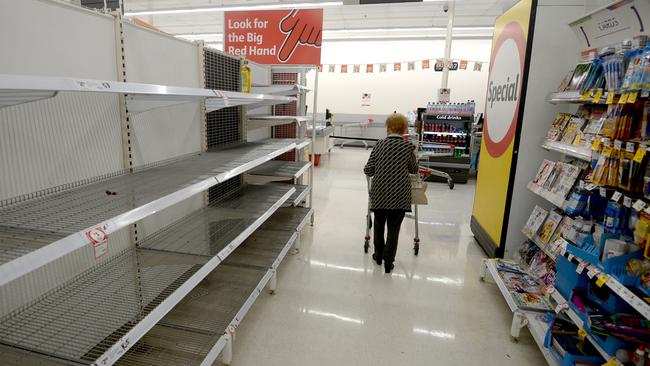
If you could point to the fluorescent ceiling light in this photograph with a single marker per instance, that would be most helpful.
(232, 8)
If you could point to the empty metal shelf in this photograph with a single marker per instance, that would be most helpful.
(209, 231)
(192, 332)
(100, 314)
(17, 89)
(301, 143)
(299, 196)
(114, 204)
(255, 122)
(281, 169)
(287, 90)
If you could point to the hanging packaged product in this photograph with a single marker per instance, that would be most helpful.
(246, 77)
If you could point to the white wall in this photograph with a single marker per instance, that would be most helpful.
(403, 90)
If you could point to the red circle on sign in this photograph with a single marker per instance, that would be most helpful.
(514, 32)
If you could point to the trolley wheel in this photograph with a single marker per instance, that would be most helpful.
(450, 183)
(416, 248)
(366, 245)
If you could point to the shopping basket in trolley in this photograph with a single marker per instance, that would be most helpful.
(418, 197)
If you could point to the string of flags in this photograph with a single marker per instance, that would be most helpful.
(439, 65)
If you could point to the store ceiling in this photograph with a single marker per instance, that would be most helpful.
(347, 21)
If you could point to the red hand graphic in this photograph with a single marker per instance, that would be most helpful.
(299, 31)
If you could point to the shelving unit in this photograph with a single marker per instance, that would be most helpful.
(521, 318)
(201, 327)
(457, 167)
(172, 229)
(73, 212)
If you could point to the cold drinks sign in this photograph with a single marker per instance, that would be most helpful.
(275, 36)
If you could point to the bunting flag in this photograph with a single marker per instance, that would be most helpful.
(320, 68)
(439, 65)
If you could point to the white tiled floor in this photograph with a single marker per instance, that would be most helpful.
(334, 306)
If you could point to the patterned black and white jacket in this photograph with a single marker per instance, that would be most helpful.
(390, 163)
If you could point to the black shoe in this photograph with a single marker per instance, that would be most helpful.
(388, 267)
(376, 259)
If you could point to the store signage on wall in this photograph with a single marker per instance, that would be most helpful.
(365, 100)
(444, 95)
(624, 19)
(275, 36)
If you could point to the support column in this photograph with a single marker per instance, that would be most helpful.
(448, 38)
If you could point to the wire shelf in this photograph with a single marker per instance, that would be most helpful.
(208, 231)
(80, 321)
(279, 168)
(299, 196)
(187, 334)
(117, 202)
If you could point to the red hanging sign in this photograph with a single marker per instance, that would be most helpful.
(275, 36)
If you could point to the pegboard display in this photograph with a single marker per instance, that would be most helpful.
(223, 127)
(289, 109)
(221, 190)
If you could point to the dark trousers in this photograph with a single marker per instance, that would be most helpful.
(386, 248)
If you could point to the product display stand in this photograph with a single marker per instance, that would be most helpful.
(452, 154)
(585, 244)
(154, 252)
(520, 318)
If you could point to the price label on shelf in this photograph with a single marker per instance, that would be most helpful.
(602, 279)
(607, 151)
(629, 147)
(640, 153)
(631, 96)
(597, 95)
(623, 99)
(582, 334)
(591, 272)
(603, 192)
(639, 205)
(617, 196)
(627, 201)
(595, 144)
(581, 268)
(610, 97)
(618, 144)
(570, 257)
(585, 95)
(560, 307)
(590, 186)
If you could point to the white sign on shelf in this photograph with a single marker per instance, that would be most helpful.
(606, 26)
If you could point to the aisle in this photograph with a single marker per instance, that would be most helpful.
(334, 306)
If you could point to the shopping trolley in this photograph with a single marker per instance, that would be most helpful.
(418, 189)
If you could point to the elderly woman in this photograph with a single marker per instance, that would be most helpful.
(389, 165)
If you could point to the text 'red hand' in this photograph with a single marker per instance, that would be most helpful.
(298, 31)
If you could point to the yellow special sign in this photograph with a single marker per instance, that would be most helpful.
(502, 111)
